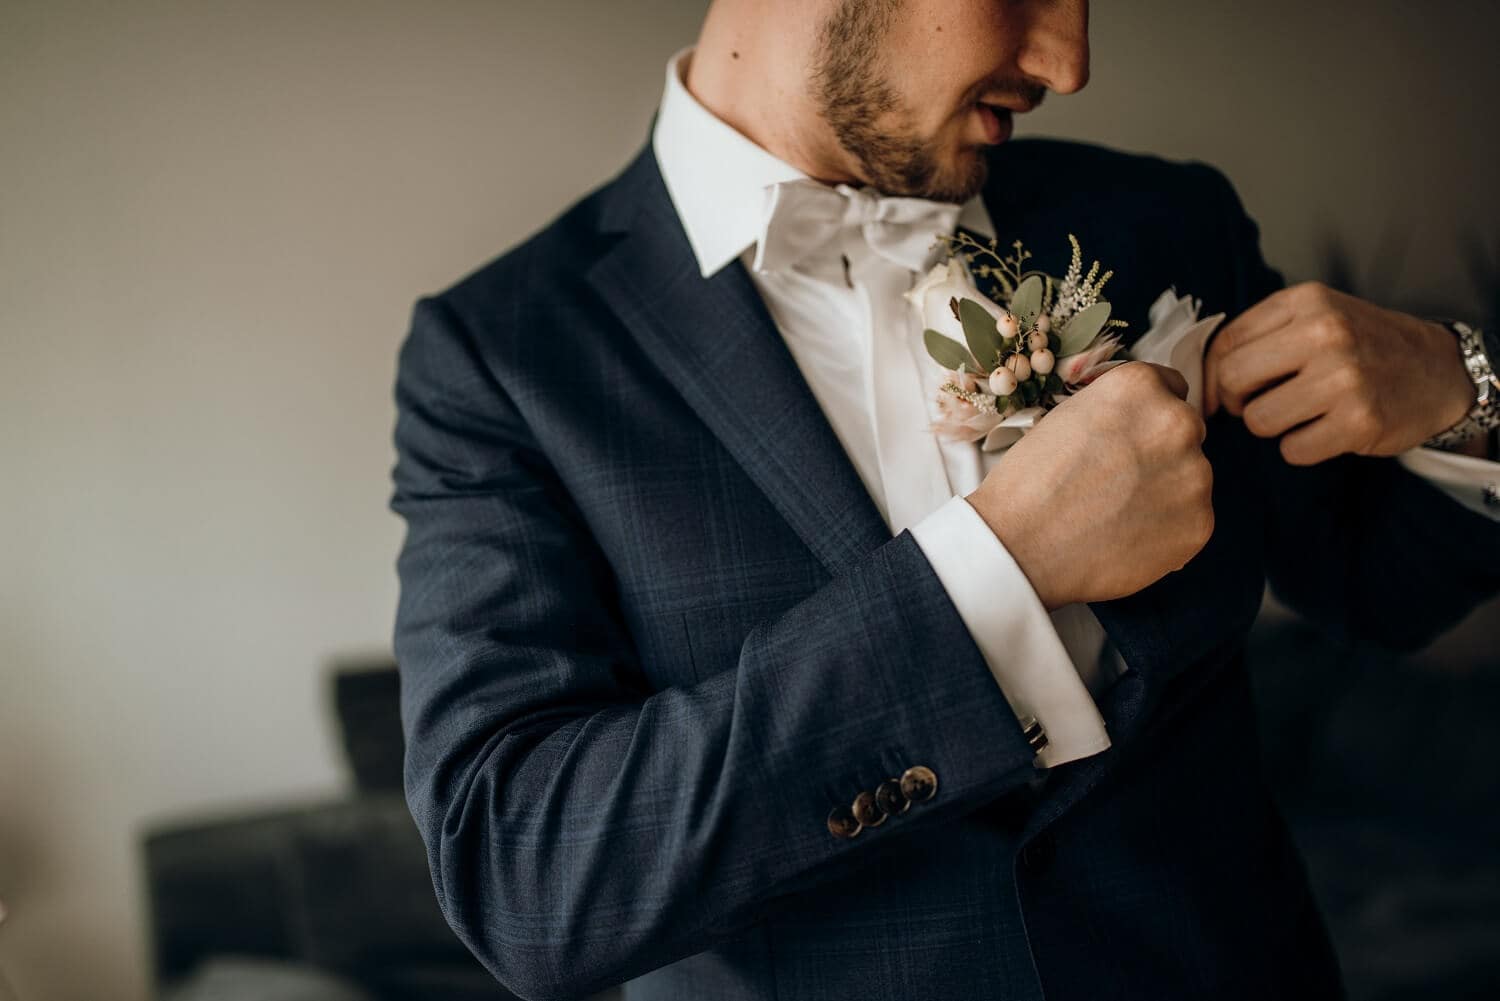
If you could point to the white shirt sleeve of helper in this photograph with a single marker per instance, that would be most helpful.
(1012, 629)
(1473, 482)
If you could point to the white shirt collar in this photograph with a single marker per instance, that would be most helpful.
(717, 177)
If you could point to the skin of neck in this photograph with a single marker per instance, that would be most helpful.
(752, 68)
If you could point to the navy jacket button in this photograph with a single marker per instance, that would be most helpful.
(867, 810)
(890, 798)
(841, 823)
(919, 783)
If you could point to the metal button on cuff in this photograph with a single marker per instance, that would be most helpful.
(842, 823)
(889, 797)
(867, 811)
(919, 783)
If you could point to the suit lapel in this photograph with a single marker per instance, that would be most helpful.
(715, 341)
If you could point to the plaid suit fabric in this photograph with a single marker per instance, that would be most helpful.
(652, 630)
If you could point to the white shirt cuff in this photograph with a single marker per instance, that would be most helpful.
(1013, 631)
(1466, 478)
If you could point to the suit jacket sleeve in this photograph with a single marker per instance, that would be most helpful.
(1360, 545)
(582, 827)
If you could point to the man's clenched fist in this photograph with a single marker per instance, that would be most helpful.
(1108, 493)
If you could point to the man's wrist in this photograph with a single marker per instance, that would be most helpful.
(1016, 547)
(1461, 394)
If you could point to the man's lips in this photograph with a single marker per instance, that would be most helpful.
(995, 121)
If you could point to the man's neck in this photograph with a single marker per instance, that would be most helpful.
(735, 72)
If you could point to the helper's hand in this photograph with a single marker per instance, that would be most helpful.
(1329, 374)
(1108, 493)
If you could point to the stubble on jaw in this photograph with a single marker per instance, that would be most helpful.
(868, 116)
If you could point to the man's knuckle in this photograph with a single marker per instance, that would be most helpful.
(1201, 526)
(1193, 427)
(1332, 332)
(1174, 426)
(1201, 482)
(1359, 406)
(1295, 452)
(1257, 419)
(1346, 381)
(1310, 291)
(1135, 375)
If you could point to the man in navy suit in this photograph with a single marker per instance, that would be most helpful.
(722, 675)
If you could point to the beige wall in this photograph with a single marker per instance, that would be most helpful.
(213, 219)
(1372, 118)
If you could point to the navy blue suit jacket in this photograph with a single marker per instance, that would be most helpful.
(652, 629)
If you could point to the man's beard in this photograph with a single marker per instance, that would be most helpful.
(860, 105)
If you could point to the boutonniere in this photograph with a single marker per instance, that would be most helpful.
(1037, 339)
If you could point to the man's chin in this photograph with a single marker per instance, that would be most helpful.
(961, 180)
(915, 172)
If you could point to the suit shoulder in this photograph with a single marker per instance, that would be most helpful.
(1094, 171)
(540, 267)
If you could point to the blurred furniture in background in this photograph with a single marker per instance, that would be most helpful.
(1386, 773)
(321, 902)
(6, 993)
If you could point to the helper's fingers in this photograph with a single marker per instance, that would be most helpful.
(1210, 383)
(1317, 442)
(1294, 402)
(1267, 316)
(1243, 371)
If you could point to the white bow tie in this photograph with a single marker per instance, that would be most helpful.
(803, 220)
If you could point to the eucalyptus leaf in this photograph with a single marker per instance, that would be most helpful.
(1027, 302)
(1083, 328)
(980, 331)
(946, 351)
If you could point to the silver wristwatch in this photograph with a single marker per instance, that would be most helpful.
(1480, 361)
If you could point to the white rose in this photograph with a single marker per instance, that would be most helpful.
(944, 283)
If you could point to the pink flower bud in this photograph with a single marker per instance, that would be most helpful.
(1019, 366)
(1081, 368)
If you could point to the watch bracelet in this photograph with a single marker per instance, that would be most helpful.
(1480, 355)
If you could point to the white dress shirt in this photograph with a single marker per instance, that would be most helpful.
(858, 344)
